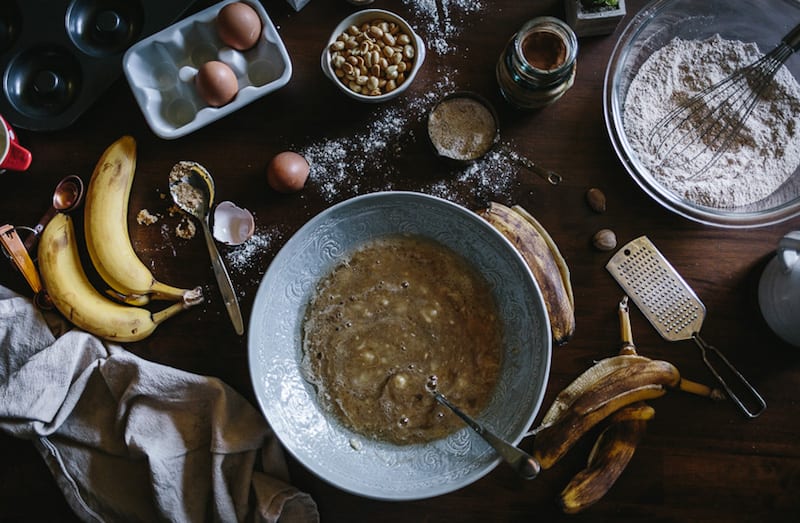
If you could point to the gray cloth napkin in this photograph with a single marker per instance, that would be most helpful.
(131, 440)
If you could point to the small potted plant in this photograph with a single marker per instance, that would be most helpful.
(594, 17)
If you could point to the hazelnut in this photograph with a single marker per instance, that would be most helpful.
(604, 240)
(596, 200)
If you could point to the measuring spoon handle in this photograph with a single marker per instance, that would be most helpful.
(224, 282)
(756, 398)
(33, 239)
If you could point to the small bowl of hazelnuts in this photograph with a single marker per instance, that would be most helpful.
(373, 55)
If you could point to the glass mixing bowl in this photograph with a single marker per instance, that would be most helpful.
(764, 22)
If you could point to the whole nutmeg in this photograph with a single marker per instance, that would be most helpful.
(604, 240)
(596, 200)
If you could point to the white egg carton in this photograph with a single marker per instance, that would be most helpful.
(161, 68)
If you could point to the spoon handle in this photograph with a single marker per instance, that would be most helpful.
(224, 282)
(524, 464)
(33, 239)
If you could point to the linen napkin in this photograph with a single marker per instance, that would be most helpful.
(131, 440)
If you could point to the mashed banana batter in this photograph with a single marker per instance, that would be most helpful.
(398, 312)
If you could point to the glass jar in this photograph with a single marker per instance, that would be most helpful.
(538, 64)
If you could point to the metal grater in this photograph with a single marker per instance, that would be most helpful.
(670, 305)
(658, 290)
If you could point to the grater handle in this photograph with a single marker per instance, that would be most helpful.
(705, 348)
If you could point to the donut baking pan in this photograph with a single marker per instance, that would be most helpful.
(58, 56)
(161, 70)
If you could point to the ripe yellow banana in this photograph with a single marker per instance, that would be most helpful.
(106, 231)
(610, 455)
(545, 261)
(74, 296)
(638, 381)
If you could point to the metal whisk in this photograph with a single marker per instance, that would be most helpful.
(711, 119)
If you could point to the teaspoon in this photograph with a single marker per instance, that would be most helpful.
(192, 190)
(522, 462)
(66, 197)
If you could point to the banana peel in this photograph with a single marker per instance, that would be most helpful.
(608, 458)
(613, 389)
(548, 266)
(624, 386)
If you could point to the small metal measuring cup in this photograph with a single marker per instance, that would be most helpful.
(464, 127)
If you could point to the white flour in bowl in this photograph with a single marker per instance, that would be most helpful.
(764, 154)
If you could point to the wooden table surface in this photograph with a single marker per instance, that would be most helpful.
(699, 461)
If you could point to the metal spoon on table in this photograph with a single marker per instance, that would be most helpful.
(192, 190)
(522, 462)
(66, 197)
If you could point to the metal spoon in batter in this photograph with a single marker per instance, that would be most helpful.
(525, 465)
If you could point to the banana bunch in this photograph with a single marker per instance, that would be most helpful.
(106, 231)
(545, 261)
(111, 252)
(76, 298)
(614, 388)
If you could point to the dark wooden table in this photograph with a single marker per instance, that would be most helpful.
(699, 461)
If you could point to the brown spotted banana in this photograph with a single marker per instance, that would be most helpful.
(106, 231)
(608, 458)
(75, 297)
(604, 388)
(623, 386)
(545, 261)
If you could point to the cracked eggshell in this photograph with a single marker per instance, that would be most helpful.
(232, 224)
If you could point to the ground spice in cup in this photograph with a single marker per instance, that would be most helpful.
(538, 64)
(462, 128)
(544, 50)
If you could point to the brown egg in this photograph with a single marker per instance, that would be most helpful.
(216, 83)
(287, 172)
(238, 26)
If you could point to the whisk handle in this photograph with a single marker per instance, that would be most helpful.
(792, 38)
(756, 398)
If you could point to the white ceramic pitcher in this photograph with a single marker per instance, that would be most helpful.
(779, 290)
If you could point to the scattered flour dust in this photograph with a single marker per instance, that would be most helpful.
(252, 257)
(441, 20)
(764, 154)
(241, 258)
(339, 166)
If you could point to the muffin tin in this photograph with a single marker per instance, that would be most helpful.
(160, 70)
(59, 56)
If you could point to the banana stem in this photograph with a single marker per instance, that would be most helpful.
(165, 314)
(699, 389)
(626, 333)
(162, 291)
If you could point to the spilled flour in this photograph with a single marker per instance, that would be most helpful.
(441, 20)
(367, 159)
(763, 155)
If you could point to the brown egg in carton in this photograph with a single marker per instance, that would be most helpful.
(183, 76)
(60, 56)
